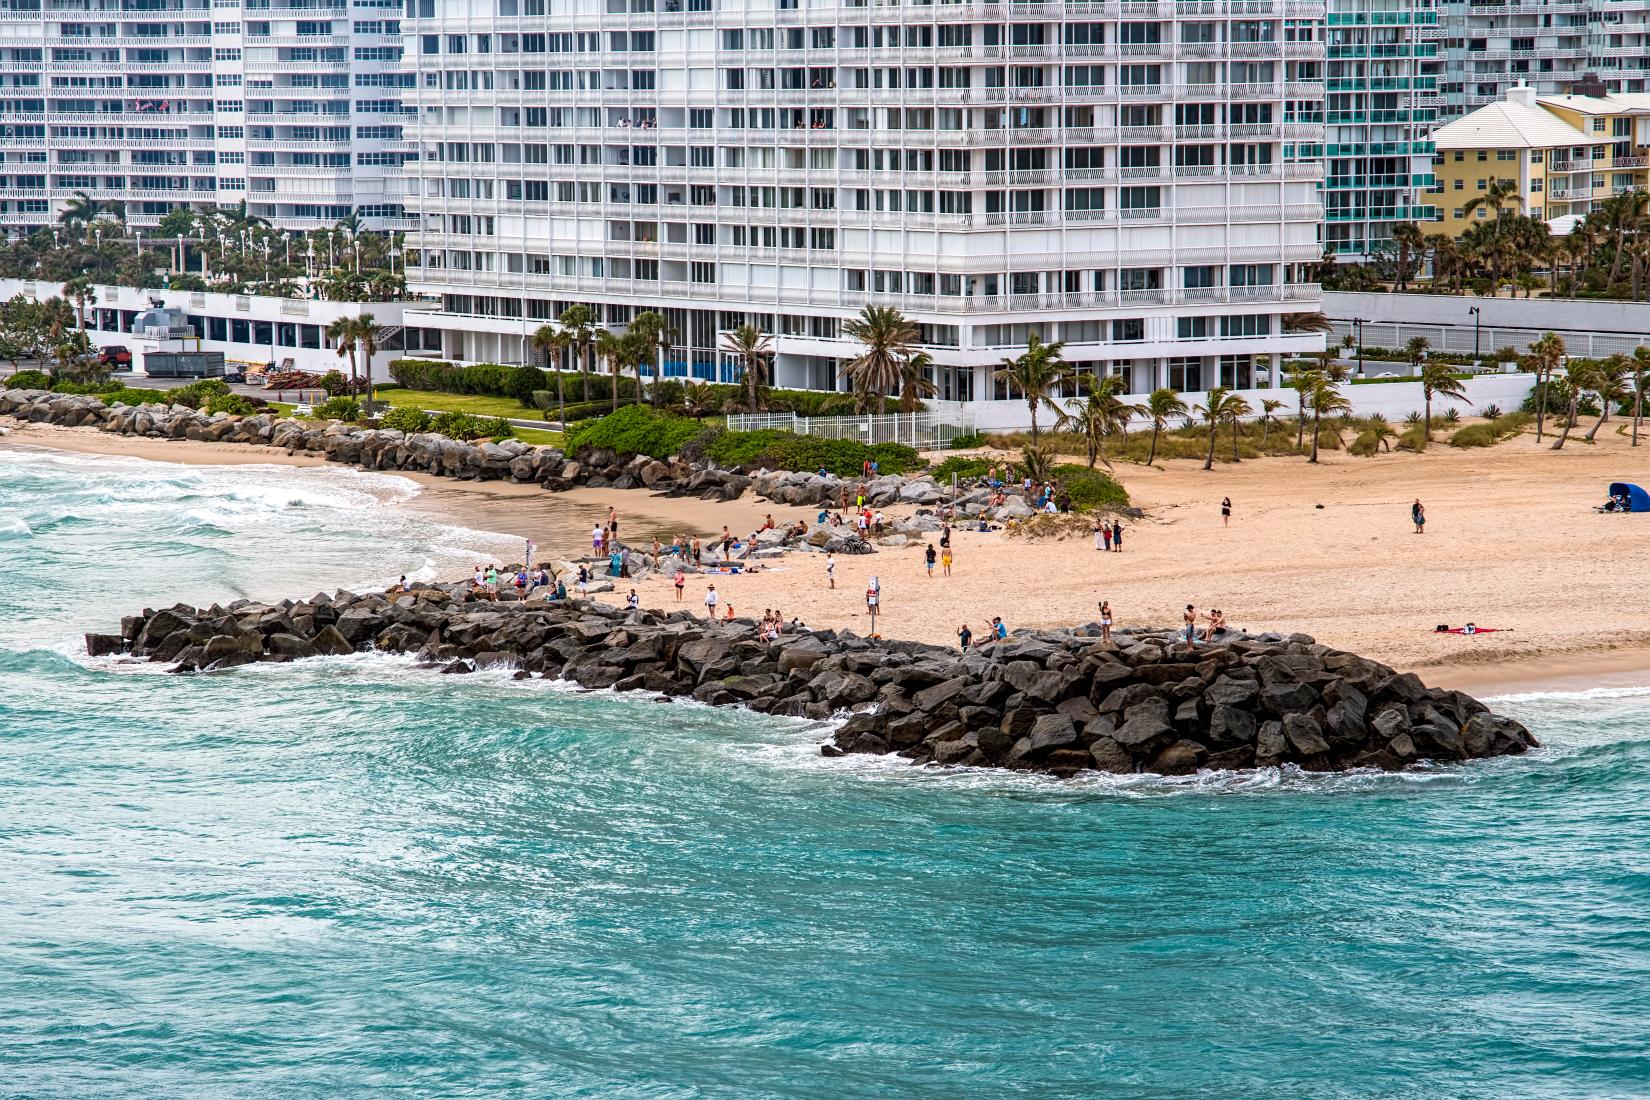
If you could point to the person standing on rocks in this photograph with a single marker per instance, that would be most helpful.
(1105, 620)
(964, 636)
(698, 554)
(1189, 621)
(928, 558)
(613, 522)
(710, 602)
(830, 569)
(1226, 511)
(598, 535)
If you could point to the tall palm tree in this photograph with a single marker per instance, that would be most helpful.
(1581, 376)
(553, 341)
(1160, 407)
(1640, 364)
(1267, 407)
(1609, 382)
(1437, 379)
(79, 291)
(1545, 356)
(653, 341)
(79, 210)
(610, 347)
(1325, 400)
(1497, 195)
(888, 336)
(1100, 414)
(342, 335)
(367, 334)
(1037, 371)
(753, 348)
(1303, 382)
(1215, 411)
(579, 322)
(1236, 409)
(914, 383)
(1410, 244)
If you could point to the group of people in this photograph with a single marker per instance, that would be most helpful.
(486, 582)
(997, 631)
(1214, 623)
(1108, 536)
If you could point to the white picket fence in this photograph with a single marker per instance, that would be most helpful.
(931, 430)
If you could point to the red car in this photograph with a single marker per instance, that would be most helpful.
(115, 357)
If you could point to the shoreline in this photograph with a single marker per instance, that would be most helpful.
(1364, 584)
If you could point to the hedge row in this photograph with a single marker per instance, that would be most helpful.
(781, 450)
(635, 430)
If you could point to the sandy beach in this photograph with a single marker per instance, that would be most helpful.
(1512, 543)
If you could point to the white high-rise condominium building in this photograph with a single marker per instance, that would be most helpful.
(292, 105)
(1138, 179)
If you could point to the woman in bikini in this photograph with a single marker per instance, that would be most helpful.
(1105, 620)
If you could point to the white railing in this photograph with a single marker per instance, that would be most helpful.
(926, 431)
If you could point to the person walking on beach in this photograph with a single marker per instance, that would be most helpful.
(928, 558)
(964, 636)
(680, 581)
(1117, 536)
(1418, 516)
(1226, 511)
(710, 602)
(830, 570)
(1105, 621)
(945, 561)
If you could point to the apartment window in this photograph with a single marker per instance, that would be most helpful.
(1506, 154)
(1132, 329)
(1192, 328)
(1258, 324)
(1139, 198)
(1199, 278)
(702, 272)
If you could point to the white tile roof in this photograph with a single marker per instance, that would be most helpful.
(1615, 103)
(1510, 125)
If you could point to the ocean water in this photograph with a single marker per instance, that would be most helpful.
(350, 877)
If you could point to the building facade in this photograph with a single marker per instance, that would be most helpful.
(1138, 179)
(1383, 68)
(293, 106)
(1561, 156)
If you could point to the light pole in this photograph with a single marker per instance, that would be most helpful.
(1477, 322)
(1358, 324)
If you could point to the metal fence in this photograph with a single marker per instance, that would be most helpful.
(926, 431)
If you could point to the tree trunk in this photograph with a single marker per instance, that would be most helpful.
(1638, 405)
(1151, 454)
(1300, 426)
(561, 395)
(1426, 425)
(615, 405)
(1235, 457)
(1032, 405)
(1316, 420)
(1540, 403)
(1570, 421)
(1209, 463)
(1599, 423)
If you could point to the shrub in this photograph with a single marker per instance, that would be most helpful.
(497, 428)
(1412, 440)
(338, 408)
(1452, 417)
(635, 429)
(411, 421)
(1090, 489)
(525, 382)
(137, 397)
(88, 387)
(457, 425)
(196, 393)
(781, 450)
(29, 380)
(1365, 445)
(967, 441)
(966, 469)
(1492, 412)
(1412, 418)
(232, 403)
(334, 382)
(1491, 432)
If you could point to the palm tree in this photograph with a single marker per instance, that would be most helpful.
(553, 341)
(1545, 356)
(753, 348)
(1641, 364)
(1303, 381)
(1410, 243)
(1580, 374)
(1160, 407)
(1325, 400)
(611, 348)
(1037, 372)
(579, 322)
(1236, 409)
(79, 210)
(652, 342)
(344, 334)
(1099, 415)
(1437, 379)
(1496, 196)
(1416, 352)
(1214, 413)
(1267, 407)
(79, 291)
(1609, 381)
(914, 383)
(888, 336)
(1383, 432)
(1307, 322)
(367, 333)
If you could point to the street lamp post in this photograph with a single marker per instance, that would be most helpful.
(1358, 325)
(1477, 323)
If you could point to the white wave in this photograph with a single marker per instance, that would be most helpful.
(15, 527)
(1609, 694)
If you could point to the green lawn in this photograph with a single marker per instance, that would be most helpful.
(452, 402)
(539, 437)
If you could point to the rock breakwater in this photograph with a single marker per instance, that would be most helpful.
(1062, 702)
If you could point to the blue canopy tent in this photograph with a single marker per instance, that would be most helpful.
(1637, 499)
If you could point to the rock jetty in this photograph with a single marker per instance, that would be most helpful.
(1061, 702)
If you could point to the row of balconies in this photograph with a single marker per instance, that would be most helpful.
(846, 98)
(817, 177)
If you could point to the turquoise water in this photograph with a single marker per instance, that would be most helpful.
(352, 878)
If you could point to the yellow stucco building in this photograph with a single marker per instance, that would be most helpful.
(1562, 155)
